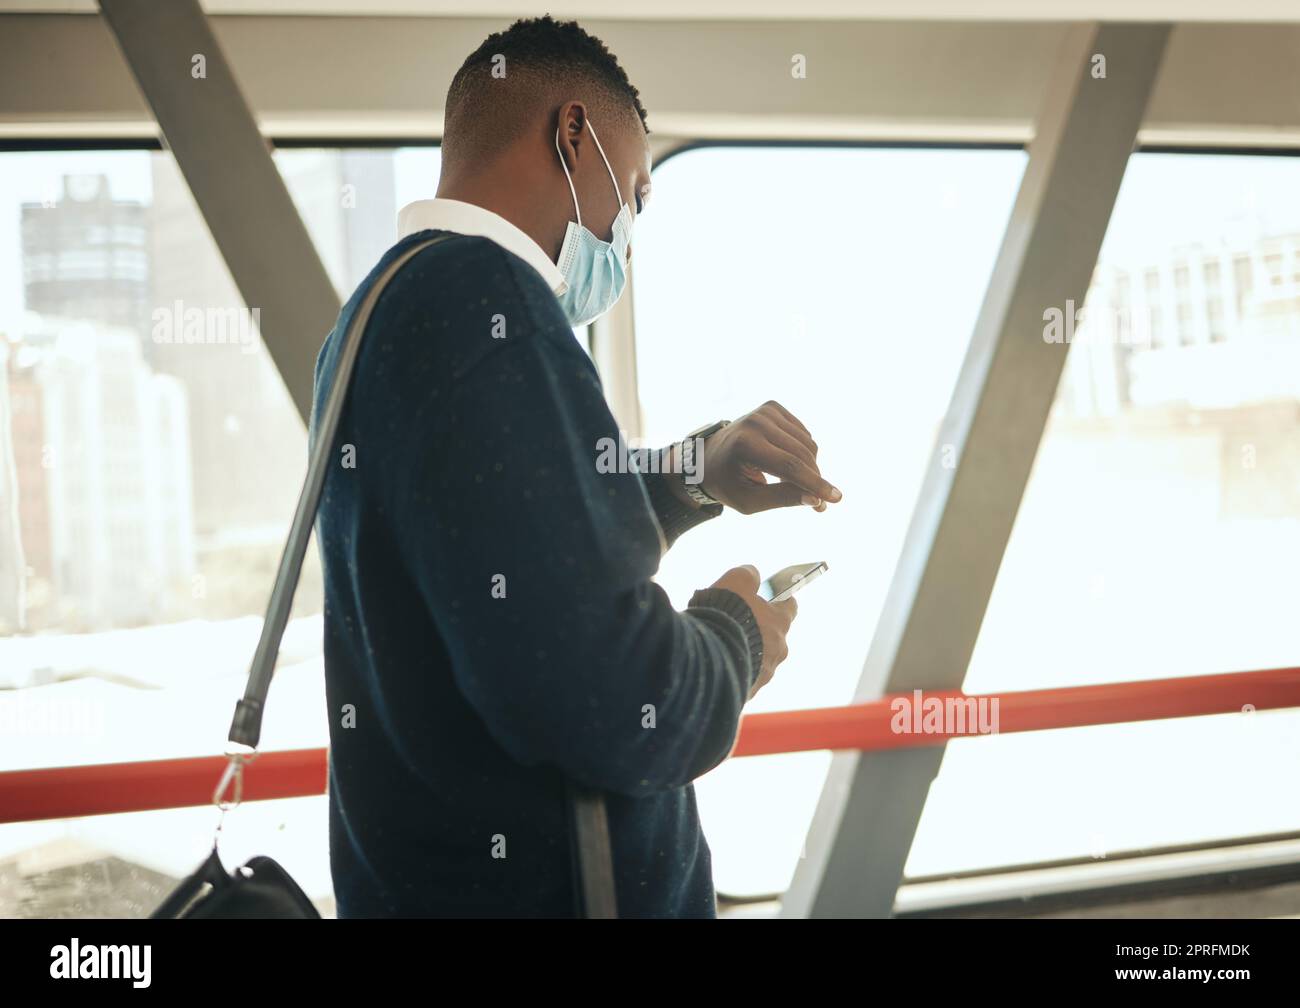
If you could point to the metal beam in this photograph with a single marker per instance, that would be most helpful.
(208, 126)
(871, 803)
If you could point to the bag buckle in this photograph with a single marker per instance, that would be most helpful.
(232, 778)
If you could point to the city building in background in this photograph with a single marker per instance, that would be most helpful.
(1190, 327)
(106, 530)
(98, 442)
(149, 451)
(1197, 354)
(86, 255)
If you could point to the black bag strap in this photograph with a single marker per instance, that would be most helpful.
(594, 881)
(246, 727)
(594, 871)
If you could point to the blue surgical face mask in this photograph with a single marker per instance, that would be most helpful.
(595, 271)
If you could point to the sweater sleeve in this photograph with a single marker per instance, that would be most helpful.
(534, 559)
(673, 516)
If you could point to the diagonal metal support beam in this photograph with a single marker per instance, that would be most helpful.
(871, 803)
(210, 129)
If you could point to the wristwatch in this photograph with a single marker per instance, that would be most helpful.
(686, 452)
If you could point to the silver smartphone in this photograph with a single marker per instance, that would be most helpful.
(784, 583)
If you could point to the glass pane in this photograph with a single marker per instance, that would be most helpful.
(842, 283)
(1159, 535)
(150, 459)
(349, 200)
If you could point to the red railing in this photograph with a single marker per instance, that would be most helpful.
(870, 726)
(888, 723)
(101, 788)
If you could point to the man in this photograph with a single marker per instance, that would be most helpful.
(491, 627)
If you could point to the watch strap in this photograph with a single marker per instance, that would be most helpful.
(687, 449)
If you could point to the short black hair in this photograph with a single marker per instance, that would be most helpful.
(540, 56)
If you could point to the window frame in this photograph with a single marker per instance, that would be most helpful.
(614, 348)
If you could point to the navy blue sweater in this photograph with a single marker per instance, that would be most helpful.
(491, 625)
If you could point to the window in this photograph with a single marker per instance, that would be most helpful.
(1214, 313)
(1157, 539)
(1155, 327)
(1244, 270)
(1158, 535)
(147, 482)
(844, 284)
(1186, 331)
(349, 200)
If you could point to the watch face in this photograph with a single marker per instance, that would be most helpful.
(707, 429)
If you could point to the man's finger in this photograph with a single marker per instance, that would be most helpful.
(775, 495)
(791, 469)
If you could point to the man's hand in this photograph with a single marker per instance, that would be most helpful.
(771, 440)
(773, 618)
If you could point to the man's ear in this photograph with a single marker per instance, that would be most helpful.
(573, 132)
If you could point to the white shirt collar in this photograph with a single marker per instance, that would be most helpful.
(469, 219)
